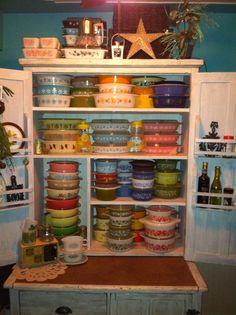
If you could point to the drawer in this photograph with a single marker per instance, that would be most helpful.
(48, 302)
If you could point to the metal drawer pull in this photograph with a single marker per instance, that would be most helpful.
(63, 310)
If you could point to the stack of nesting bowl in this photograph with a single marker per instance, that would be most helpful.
(105, 179)
(101, 225)
(110, 135)
(171, 94)
(114, 92)
(119, 236)
(60, 136)
(161, 137)
(62, 201)
(160, 229)
(142, 180)
(82, 91)
(124, 169)
(143, 89)
(167, 179)
(53, 90)
(70, 31)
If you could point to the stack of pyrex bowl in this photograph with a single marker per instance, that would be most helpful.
(105, 179)
(161, 137)
(70, 31)
(114, 92)
(110, 135)
(53, 90)
(143, 89)
(124, 169)
(119, 236)
(171, 94)
(59, 135)
(160, 229)
(167, 179)
(142, 180)
(101, 225)
(62, 201)
(82, 91)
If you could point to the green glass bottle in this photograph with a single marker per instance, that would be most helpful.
(216, 187)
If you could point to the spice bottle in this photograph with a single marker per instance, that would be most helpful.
(228, 146)
(136, 143)
(228, 200)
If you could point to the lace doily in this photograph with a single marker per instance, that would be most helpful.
(39, 274)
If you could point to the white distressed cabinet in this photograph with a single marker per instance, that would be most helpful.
(205, 234)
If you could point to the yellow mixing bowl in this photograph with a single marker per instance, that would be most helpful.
(143, 101)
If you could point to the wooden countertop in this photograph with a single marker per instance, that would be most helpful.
(151, 274)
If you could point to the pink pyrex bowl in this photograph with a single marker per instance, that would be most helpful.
(63, 166)
(160, 230)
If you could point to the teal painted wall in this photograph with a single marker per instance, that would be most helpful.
(218, 48)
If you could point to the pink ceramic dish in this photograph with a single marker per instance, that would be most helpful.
(31, 42)
(63, 166)
(158, 246)
(41, 53)
(161, 138)
(160, 214)
(160, 230)
(50, 42)
(160, 125)
(161, 149)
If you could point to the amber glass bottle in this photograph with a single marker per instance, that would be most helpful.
(203, 184)
(216, 187)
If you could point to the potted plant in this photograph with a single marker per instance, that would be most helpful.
(185, 21)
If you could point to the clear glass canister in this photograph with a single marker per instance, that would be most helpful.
(135, 143)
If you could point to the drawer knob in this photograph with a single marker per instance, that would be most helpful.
(63, 310)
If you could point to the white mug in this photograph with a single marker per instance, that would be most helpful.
(73, 243)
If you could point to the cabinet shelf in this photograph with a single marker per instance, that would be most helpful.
(214, 207)
(130, 201)
(140, 155)
(111, 66)
(215, 154)
(111, 110)
(7, 206)
(98, 248)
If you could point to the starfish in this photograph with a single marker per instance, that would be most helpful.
(141, 40)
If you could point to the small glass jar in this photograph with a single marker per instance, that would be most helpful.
(135, 143)
(228, 147)
(228, 200)
(84, 143)
(38, 146)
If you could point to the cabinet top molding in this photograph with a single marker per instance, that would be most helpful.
(113, 66)
(151, 1)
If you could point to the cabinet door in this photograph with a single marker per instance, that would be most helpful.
(132, 304)
(62, 303)
(14, 210)
(167, 304)
(150, 304)
(211, 232)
